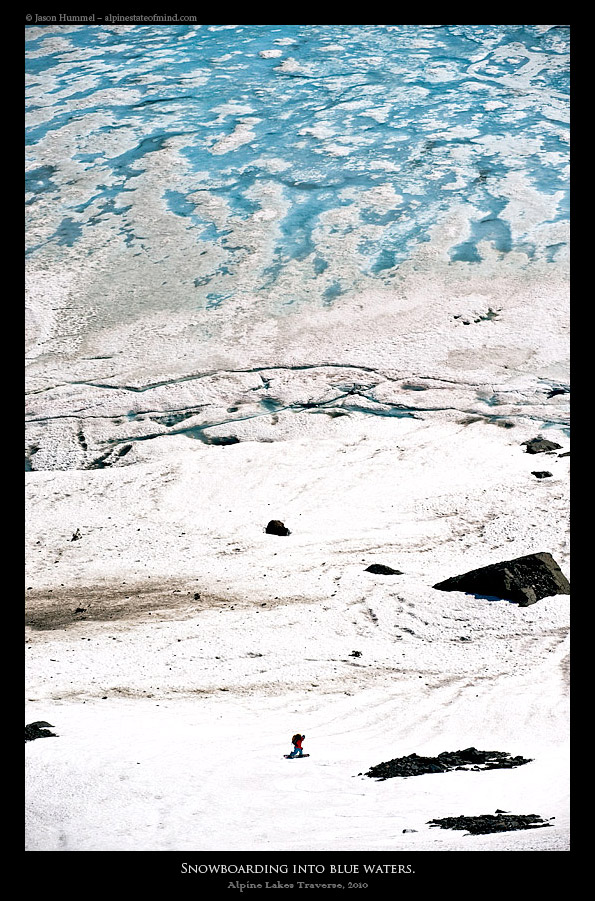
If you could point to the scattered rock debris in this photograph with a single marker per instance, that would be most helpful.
(38, 730)
(478, 317)
(470, 758)
(490, 822)
(76, 535)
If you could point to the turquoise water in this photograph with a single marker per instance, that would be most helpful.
(364, 134)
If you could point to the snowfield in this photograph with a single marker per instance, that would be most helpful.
(202, 644)
(316, 274)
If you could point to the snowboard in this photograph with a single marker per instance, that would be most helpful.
(289, 757)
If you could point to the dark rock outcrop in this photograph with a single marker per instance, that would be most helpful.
(490, 822)
(276, 527)
(223, 440)
(414, 765)
(542, 474)
(524, 580)
(38, 730)
(555, 391)
(540, 445)
(381, 570)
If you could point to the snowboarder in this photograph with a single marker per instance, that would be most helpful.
(297, 745)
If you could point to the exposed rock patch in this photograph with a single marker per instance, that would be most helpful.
(542, 474)
(381, 570)
(470, 758)
(540, 445)
(223, 440)
(490, 822)
(555, 391)
(524, 580)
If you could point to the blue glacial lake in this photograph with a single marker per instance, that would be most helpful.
(299, 161)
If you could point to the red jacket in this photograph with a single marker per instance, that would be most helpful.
(298, 743)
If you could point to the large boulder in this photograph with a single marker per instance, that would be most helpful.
(276, 527)
(524, 580)
(381, 570)
(38, 730)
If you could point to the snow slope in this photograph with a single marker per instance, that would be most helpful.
(316, 273)
(205, 644)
